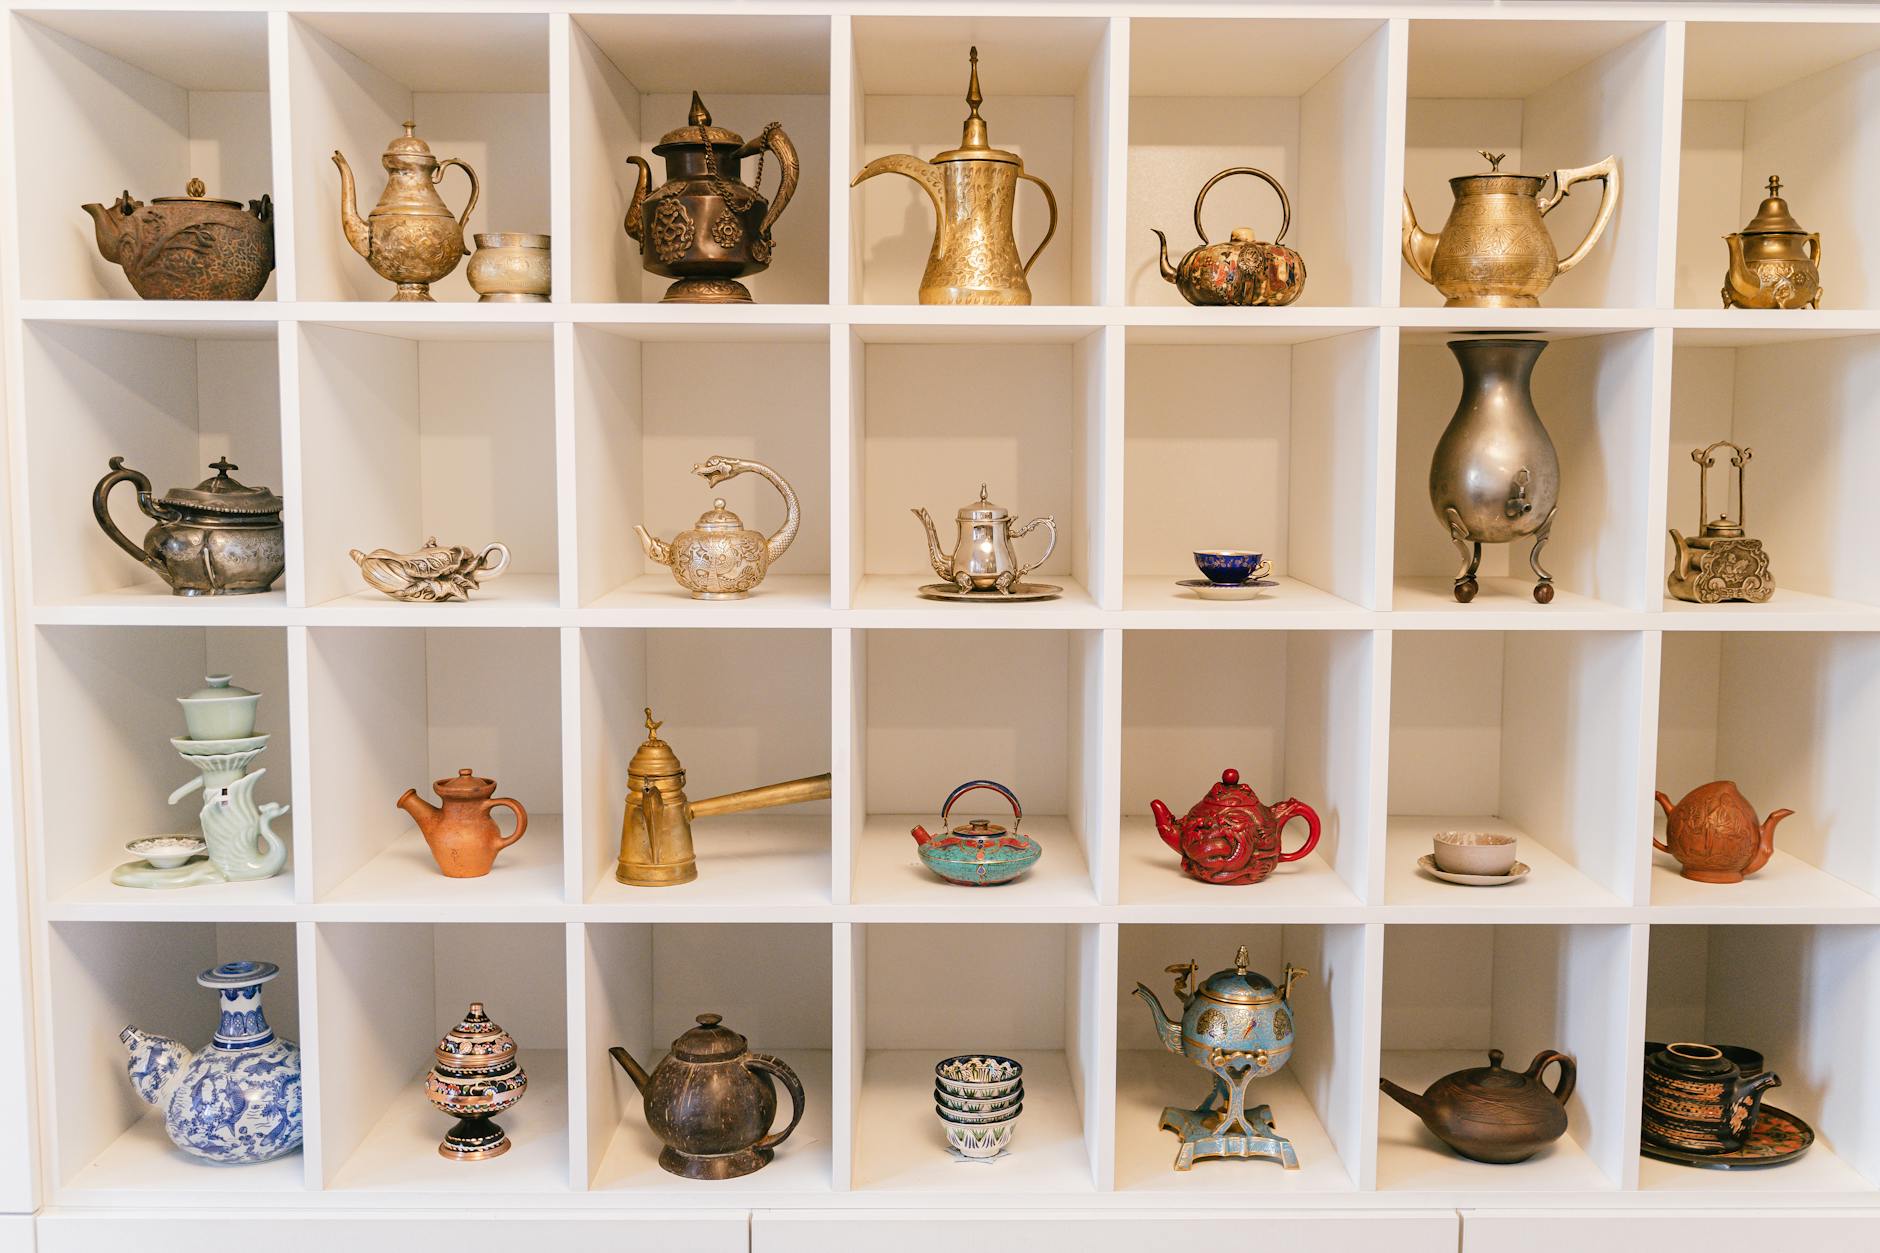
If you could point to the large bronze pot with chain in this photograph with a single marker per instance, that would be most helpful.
(703, 226)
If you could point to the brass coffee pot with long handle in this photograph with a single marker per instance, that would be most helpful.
(974, 260)
(656, 834)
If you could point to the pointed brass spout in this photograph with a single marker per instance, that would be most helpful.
(358, 231)
(656, 834)
(1419, 246)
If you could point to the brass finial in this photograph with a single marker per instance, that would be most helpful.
(973, 98)
(1775, 186)
(197, 190)
(700, 115)
(1240, 960)
(411, 130)
(973, 134)
(1493, 158)
(652, 725)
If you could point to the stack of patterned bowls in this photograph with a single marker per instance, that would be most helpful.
(979, 1098)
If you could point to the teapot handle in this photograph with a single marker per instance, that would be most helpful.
(1607, 172)
(101, 509)
(437, 176)
(775, 1067)
(1563, 1086)
(501, 553)
(1051, 202)
(788, 163)
(514, 807)
(1018, 533)
(988, 785)
(1285, 812)
(1285, 205)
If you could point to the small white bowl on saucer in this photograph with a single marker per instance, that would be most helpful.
(1479, 853)
(1516, 873)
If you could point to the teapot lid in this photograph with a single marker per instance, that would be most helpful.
(975, 144)
(408, 144)
(708, 1042)
(978, 829)
(1496, 174)
(1772, 216)
(1239, 986)
(223, 494)
(1230, 790)
(197, 192)
(718, 518)
(466, 786)
(983, 510)
(476, 1043)
(699, 130)
(217, 687)
(654, 759)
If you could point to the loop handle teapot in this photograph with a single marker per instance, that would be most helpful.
(1242, 271)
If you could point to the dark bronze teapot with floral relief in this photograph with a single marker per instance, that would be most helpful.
(218, 538)
(703, 226)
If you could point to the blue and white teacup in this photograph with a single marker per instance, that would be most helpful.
(1230, 567)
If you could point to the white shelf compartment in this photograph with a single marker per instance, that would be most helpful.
(1235, 443)
(1451, 993)
(104, 1145)
(170, 400)
(1546, 95)
(1048, 84)
(631, 77)
(650, 405)
(1755, 708)
(394, 708)
(915, 1005)
(1594, 396)
(1318, 1099)
(418, 431)
(106, 701)
(1315, 119)
(1802, 404)
(741, 708)
(934, 416)
(385, 994)
(1540, 729)
(143, 102)
(643, 985)
(477, 88)
(1802, 996)
(1293, 713)
(1033, 723)
(1781, 98)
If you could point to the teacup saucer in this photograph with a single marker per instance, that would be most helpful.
(1250, 590)
(217, 748)
(1519, 871)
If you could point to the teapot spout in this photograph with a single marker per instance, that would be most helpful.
(635, 1071)
(941, 562)
(1419, 246)
(921, 172)
(658, 551)
(1169, 1030)
(422, 811)
(1168, 271)
(107, 225)
(636, 207)
(1766, 841)
(358, 231)
(1415, 1102)
(1165, 825)
(156, 1064)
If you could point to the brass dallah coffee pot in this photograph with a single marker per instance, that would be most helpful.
(410, 237)
(656, 835)
(974, 260)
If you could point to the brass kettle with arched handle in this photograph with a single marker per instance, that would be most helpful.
(1243, 271)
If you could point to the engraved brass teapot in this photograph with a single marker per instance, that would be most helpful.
(974, 260)
(410, 238)
(702, 226)
(1774, 263)
(1720, 562)
(1242, 271)
(983, 559)
(1494, 252)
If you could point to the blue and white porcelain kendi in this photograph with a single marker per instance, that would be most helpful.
(1237, 1026)
(979, 853)
(1231, 567)
(236, 1101)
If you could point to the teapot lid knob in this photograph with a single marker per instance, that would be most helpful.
(1494, 1058)
(1775, 186)
(710, 1020)
(1240, 960)
(1231, 777)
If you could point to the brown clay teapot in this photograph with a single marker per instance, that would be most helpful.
(1229, 836)
(712, 1100)
(1490, 1114)
(1714, 835)
(462, 835)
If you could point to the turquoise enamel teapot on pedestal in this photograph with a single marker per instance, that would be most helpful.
(978, 853)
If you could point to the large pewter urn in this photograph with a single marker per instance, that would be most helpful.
(1495, 477)
(218, 538)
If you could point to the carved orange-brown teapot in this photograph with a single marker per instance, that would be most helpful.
(1714, 834)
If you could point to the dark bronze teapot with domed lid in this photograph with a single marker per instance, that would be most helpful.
(1491, 1114)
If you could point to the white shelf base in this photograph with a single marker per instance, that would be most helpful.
(1289, 606)
(750, 866)
(142, 1167)
(1788, 889)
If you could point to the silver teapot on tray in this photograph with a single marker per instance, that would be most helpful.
(983, 559)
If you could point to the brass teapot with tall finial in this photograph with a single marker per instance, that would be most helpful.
(1774, 263)
(974, 259)
(410, 237)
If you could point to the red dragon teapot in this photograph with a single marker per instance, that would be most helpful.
(1229, 836)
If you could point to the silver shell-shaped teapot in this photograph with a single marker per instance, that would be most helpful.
(983, 558)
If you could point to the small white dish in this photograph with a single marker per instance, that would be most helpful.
(1516, 873)
(1252, 589)
(166, 852)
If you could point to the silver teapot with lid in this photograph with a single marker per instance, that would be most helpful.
(218, 538)
(983, 558)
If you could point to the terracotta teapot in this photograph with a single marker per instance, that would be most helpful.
(189, 247)
(1229, 836)
(1494, 1115)
(1242, 271)
(462, 835)
(712, 1100)
(1714, 835)
(410, 238)
(1494, 252)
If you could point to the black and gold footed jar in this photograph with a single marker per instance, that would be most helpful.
(703, 226)
(476, 1077)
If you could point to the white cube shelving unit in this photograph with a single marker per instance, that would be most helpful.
(1144, 427)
